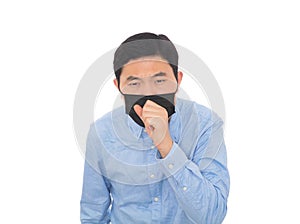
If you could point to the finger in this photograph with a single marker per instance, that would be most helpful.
(149, 111)
(148, 126)
(151, 106)
(139, 110)
(150, 103)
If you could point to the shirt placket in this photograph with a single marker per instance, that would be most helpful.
(154, 188)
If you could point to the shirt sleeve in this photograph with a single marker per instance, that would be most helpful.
(95, 199)
(201, 182)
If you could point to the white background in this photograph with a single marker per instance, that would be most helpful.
(252, 48)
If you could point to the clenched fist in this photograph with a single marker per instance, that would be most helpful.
(156, 121)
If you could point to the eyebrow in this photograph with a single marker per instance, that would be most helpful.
(159, 74)
(131, 77)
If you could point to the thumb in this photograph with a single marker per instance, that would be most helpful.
(138, 109)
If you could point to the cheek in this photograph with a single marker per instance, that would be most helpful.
(122, 84)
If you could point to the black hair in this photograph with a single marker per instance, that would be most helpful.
(142, 45)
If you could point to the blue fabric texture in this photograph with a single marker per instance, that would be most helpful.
(126, 180)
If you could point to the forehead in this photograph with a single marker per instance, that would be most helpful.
(146, 66)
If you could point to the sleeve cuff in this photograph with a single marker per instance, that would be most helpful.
(174, 161)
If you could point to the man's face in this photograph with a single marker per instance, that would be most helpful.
(148, 76)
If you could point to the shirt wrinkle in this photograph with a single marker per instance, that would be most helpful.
(140, 187)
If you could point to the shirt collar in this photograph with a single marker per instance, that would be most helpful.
(134, 127)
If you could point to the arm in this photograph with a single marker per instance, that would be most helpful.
(201, 183)
(95, 199)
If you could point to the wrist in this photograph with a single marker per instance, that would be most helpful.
(165, 146)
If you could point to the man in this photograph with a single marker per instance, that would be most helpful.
(159, 159)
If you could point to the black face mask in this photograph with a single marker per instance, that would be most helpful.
(164, 100)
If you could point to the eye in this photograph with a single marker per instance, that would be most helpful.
(134, 84)
(160, 81)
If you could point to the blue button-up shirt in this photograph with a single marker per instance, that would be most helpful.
(126, 180)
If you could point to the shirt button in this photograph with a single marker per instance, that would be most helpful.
(171, 166)
(152, 176)
(184, 188)
(152, 147)
(156, 199)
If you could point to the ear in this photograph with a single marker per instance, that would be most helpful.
(179, 77)
(116, 83)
